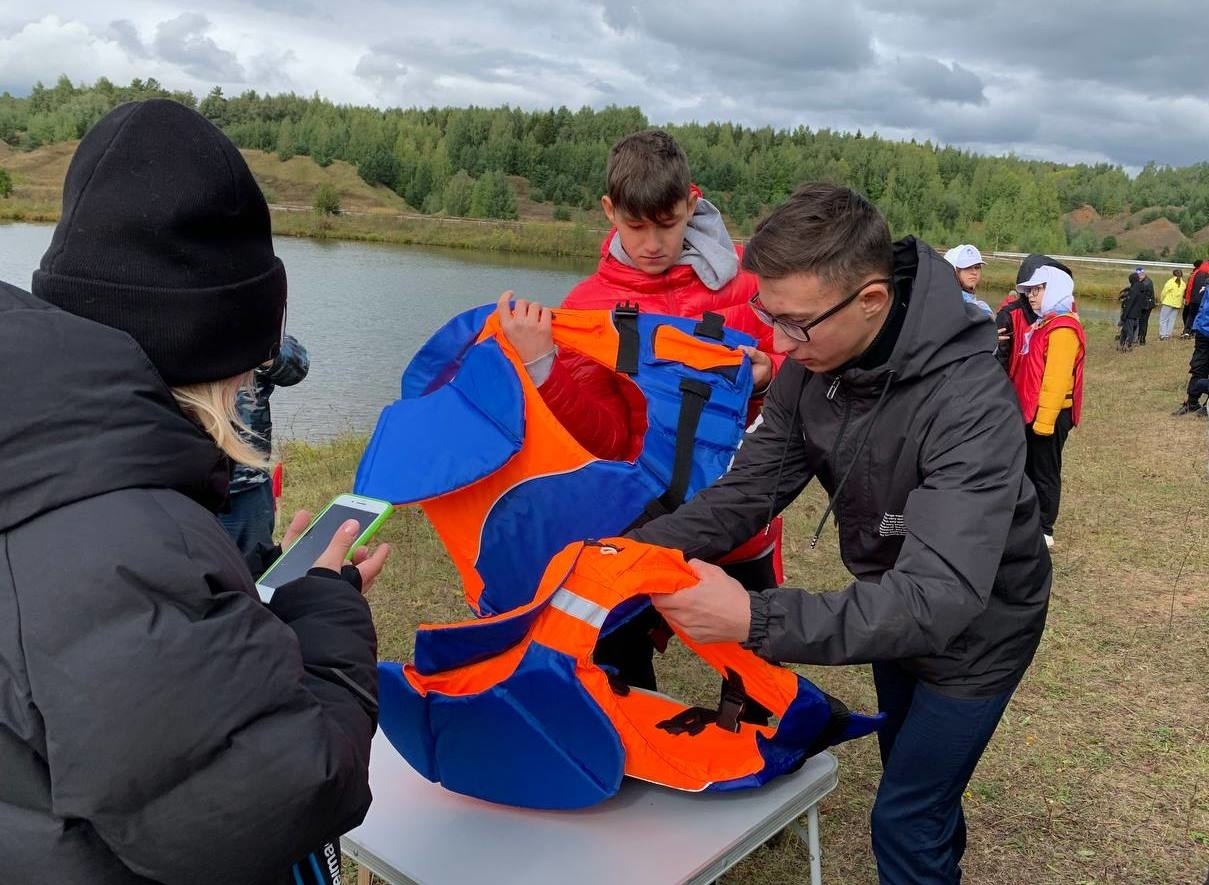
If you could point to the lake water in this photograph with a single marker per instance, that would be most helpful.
(361, 310)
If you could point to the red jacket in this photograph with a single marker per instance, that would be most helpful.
(1200, 266)
(1027, 370)
(601, 412)
(606, 413)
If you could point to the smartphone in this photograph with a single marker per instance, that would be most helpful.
(370, 514)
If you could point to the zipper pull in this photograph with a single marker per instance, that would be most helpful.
(835, 385)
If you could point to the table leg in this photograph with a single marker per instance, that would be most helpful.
(816, 857)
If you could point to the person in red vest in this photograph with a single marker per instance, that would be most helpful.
(1046, 368)
(1193, 293)
(668, 252)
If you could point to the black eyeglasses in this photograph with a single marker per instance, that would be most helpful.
(801, 331)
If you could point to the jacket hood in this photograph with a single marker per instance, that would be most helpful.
(85, 413)
(940, 327)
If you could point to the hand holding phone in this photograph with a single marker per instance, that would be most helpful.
(344, 526)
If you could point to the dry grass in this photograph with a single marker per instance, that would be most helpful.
(1099, 772)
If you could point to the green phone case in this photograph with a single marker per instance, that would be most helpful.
(364, 538)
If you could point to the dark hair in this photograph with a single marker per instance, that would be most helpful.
(647, 175)
(1035, 260)
(821, 229)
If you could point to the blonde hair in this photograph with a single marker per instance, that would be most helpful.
(213, 405)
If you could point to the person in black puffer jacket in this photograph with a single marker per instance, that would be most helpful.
(158, 723)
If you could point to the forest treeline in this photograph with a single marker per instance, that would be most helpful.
(455, 161)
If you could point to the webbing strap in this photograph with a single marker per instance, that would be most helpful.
(625, 319)
(694, 395)
(709, 327)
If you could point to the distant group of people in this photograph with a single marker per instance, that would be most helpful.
(1179, 299)
(162, 724)
(1041, 346)
(1137, 302)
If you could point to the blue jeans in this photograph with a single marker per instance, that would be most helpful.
(930, 745)
(250, 522)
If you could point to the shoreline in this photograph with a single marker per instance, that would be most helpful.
(553, 239)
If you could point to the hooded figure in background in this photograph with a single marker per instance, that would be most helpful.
(1137, 300)
(1047, 372)
(1015, 315)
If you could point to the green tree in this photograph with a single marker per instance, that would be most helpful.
(379, 166)
(327, 200)
(492, 197)
(1108, 243)
(458, 194)
(6, 184)
(1185, 252)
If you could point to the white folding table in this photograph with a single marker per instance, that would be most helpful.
(419, 832)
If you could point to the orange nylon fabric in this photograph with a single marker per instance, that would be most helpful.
(549, 448)
(677, 346)
(604, 576)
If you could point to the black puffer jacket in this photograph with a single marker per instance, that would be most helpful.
(937, 521)
(157, 722)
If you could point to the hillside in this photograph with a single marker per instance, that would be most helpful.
(290, 184)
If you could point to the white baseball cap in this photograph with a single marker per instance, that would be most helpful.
(1059, 288)
(963, 256)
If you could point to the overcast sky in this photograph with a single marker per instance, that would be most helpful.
(1069, 80)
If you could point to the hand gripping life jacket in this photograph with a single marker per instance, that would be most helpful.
(512, 709)
(506, 485)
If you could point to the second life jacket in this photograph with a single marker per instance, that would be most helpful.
(512, 709)
(506, 485)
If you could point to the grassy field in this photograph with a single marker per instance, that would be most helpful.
(1099, 772)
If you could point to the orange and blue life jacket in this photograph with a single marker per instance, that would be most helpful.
(512, 709)
(506, 485)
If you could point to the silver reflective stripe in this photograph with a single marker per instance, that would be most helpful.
(577, 607)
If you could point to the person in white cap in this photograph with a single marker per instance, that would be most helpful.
(1048, 376)
(967, 265)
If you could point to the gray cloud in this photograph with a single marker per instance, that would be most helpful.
(126, 35)
(1084, 81)
(936, 80)
(183, 41)
(382, 67)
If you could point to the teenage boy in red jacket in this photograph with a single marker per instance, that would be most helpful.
(669, 252)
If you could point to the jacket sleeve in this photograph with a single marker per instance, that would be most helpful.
(769, 472)
(1063, 348)
(957, 522)
(605, 414)
(291, 365)
(203, 736)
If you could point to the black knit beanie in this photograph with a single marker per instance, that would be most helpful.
(165, 235)
(1036, 260)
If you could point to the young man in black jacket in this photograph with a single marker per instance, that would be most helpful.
(892, 398)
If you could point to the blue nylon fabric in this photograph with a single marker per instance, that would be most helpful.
(601, 499)
(551, 746)
(459, 433)
(437, 361)
(447, 648)
(403, 718)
